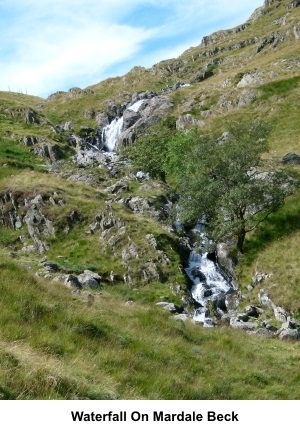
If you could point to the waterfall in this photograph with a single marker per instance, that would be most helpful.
(209, 285)
(112, 131)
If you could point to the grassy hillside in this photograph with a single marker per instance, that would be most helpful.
(55, 346)
(113, 341)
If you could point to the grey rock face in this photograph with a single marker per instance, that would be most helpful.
(153, 111)
(52, 152)
(129, 118)
(38, 225)
(293, 4)
(297, 31)
(29, 140)
(223, 257)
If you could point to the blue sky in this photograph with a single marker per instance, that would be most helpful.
(51, 45)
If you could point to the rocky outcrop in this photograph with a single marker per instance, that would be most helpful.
(296, 30)
(89, 279)
(187, 121)
(153, 111)
(51, 152)
(293, 4)
(28, 115)
(38, 225)
(250, 79)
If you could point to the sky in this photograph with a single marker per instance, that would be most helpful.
(54, 45)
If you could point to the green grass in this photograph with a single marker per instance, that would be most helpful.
(15, 157)
(53, 348)
(279, 88)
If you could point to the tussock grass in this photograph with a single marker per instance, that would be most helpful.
(51, 347)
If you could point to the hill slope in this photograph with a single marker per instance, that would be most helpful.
(88, 250)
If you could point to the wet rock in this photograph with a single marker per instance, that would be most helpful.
(129, 118)
(224, 259)
(196, 272)
(151, 113)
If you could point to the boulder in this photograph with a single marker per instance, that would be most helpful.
(223, 252)
(291, 158)
(171, 307)
(73, 282)
(250, 79)
(237, 323)
(289, 334)
(89, 279)
(181, 317)
(232, 302)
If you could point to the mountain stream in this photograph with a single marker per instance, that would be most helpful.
(210, 286)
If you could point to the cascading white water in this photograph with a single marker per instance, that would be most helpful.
(209, 284)
(112, 131)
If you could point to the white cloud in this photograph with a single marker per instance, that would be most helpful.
(54, 44)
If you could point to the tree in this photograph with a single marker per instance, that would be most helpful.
(149, 151)
(226, 181)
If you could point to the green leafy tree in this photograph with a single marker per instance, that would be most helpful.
(226, 181)
(149, 152)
